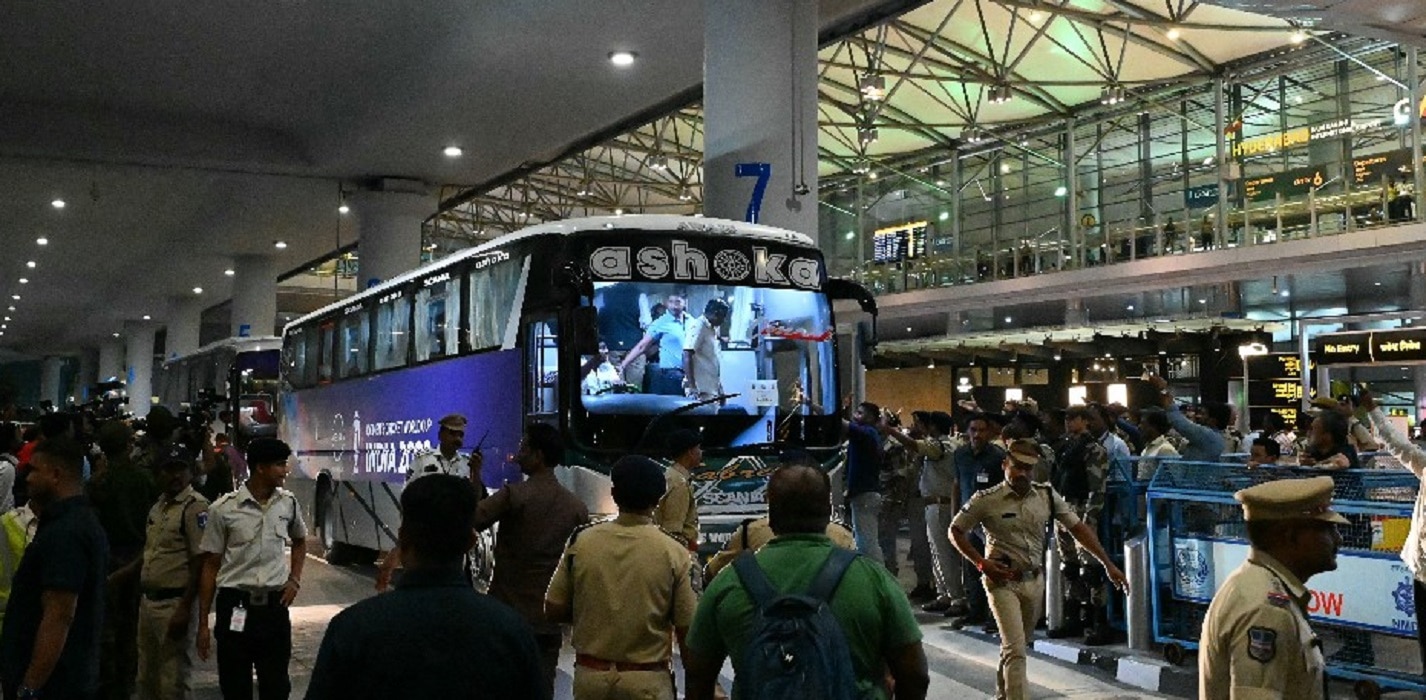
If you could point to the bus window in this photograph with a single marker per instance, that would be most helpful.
(393, 333)
(542, 341)
(328, 333)
(437, 324)
(293, 359)
(352, 351)
(494, 297)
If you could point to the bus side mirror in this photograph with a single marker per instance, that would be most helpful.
(586, 330)
(837, 288)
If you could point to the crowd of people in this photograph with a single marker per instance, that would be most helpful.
(129, 554)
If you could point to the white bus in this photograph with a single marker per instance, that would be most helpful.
(236, 375)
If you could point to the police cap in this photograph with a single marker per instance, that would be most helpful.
(454, 421)
(1290, 499)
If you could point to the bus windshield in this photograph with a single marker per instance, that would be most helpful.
(748, 365)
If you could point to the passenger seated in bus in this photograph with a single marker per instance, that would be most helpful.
(600, 375)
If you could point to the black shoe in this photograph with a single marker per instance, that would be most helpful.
(957, 610)
(921, 593)
(938, 605)
(1099, 635)
(970, 621)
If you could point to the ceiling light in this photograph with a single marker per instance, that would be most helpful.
(1111, 95)
(148, 317)
(230, 272)
(197, 290)
(1058, 357)
(1283, 292)
(1037, 16)
(116, 335)
(1298, 37)
(1061, 191)
(618, 212)
(871, 175)
(583, 190)
(7, 318)
(1376, 284)
(42, 241)
(861, 168)
(453, 152)
(57, 203)
(280, 245)
(30, 264)
(622, 59)
(866, 135)
(12, 308)
(945, 215)
(26, 280)
(1297, 99)
(873, 87)
(1008, 319)
(1208, 160)
(851, 235)
(1203, 301)
(16, 297)
(1000, 94)
(658, 162)
(1174, 34)
(685, 194)
(1129, 307)
(343, 209)
(908, 329)
(1005, 168)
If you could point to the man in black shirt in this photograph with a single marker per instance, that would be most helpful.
(50, 643)
(433, 637)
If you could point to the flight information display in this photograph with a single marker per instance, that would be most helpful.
(898, 243)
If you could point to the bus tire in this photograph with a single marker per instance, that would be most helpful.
(1366, 689)
(326, 515)
(1174, 653)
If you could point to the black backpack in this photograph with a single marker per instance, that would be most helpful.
(796, 647)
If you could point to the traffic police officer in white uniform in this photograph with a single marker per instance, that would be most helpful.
(256, 544)
(1256, 642)
(446, 457)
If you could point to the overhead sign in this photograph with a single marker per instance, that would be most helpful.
(1201, 197)
(898, 243)
(1291, 183)
(713, 260)
(1292, 138)
(1369, 170)
(1394, 346)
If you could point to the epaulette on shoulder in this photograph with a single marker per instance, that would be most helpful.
(224, 499)
(581, 528)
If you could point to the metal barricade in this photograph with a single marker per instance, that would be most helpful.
(1364, 611)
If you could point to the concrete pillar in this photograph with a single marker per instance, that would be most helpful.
(254, 296)
(50, 371)
(760, 106)
(111, 359)
(185, 319)
(138, 351)
(88, 374)
(1418, 176)
(388, 226)
(1220, 155)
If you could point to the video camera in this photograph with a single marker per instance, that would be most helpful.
(198, 414)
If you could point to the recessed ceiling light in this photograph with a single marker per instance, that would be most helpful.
(42, 241)
(1174, 34)
(1129, 307)
(12, 308)
(1298, 37)
(16, 297)
(230, 272)
(30, 264)
(453, 152)
(24, 280)
(7, 318)
(1007, 319)
(908, 329)
(57, 203)
(116, 335)
(1285, 293)
(148, 317)
(279, 244)
(197, 290)
(622, 59)
(343, 209)
(1376, 284)
(1203, 301)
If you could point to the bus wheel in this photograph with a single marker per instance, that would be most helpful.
(336, 552)
(1366, 690)
(1174, 653)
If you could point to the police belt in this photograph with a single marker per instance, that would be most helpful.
(598, 664)
(158, 594)
(254, 597)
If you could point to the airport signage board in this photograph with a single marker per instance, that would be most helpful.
(1201, 196)
(1393, 346)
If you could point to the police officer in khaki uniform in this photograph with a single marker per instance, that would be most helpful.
(255, 544)
(172, 561)
(677, 512)
(625, 585)
(1016, 514)
(1256, 642)
(753, 533)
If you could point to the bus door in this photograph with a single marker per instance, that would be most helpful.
(542, 366)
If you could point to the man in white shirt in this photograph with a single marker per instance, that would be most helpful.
(702, 366)
(1413, 553)
(1154, 425)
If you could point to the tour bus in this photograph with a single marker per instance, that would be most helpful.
(531, 327)
(236, 375)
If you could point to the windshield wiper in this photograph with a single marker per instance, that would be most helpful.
(643, 439)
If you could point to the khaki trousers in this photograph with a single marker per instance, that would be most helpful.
(165, 665)
(590, 684)
(1016, 607)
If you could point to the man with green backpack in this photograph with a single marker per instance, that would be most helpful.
(802, 618)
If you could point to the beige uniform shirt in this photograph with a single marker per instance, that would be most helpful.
(758, 533)
(253, 538)
(1160, 448)
(173, 538)
(627, 583)
(702, 338)
(1256, 642)
(1015, 525)
(677, 513)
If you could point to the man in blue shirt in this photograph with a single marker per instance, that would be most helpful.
(863, 478)
(1204, 443)
(668, 331)
(978, 466)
